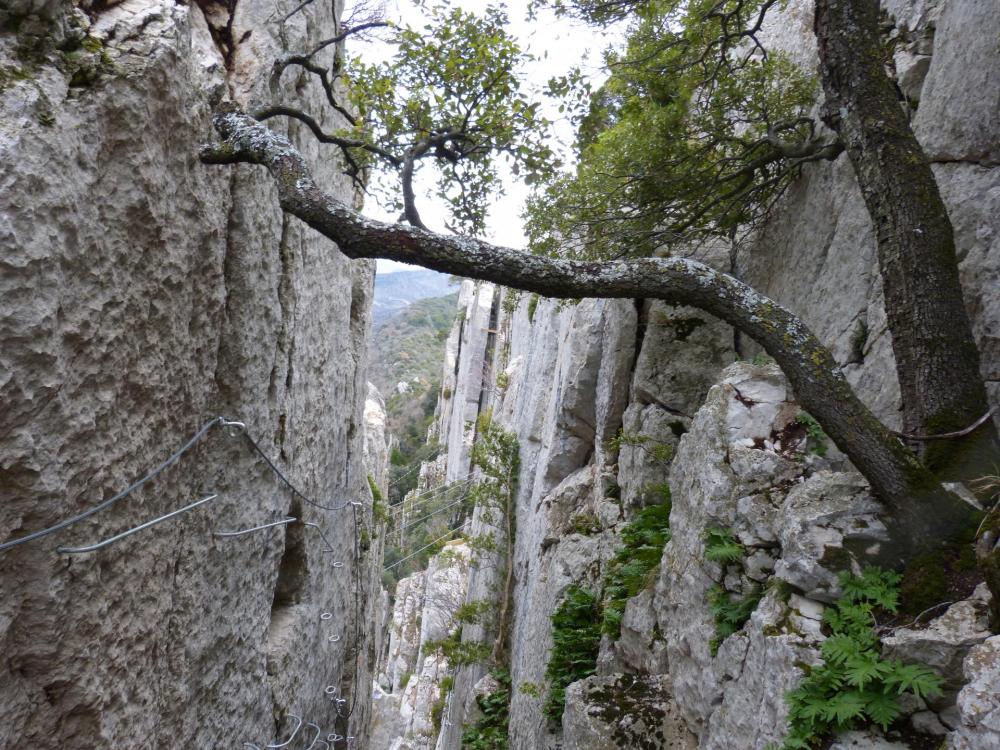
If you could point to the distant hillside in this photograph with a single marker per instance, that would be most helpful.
(395, 291)
(409, 348)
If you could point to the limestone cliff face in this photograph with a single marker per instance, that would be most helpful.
(567, 378)
(143, 294)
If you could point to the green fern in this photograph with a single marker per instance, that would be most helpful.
(730, 613)
(576, 638)
(490, 731)
(721, 547)
(631, 569)
(854, 684)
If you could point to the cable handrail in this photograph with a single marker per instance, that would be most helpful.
(408, 504)
(428, 546)
(431, 514)
(152, 474)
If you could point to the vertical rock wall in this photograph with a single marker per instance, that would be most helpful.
(143, 294)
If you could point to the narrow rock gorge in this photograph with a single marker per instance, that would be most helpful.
(625, 412)
(631, 535)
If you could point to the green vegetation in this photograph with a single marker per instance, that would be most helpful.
(530, 688)
(854, 684)
(631, 569)
(458, 652)
(380, 512)
(532, 306)
(496, 453)
(490, 732)
(435, 514)
(675, 146)
(451, 94)
(730, 613)
(656, 449)
(576, 636)
(585, 524)
(816, 439)
(721, 547)
(437, 708)
(409, 347)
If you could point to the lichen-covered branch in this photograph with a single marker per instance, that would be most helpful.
(923, 510)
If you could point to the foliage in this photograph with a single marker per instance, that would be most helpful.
(457, 651)
(473, 612)
(437, 707)
(656, 449)
(816, 439)
(530, 688)
(532, 306)
(721, 547)
(496, 453)
(450, 94)
(576, 636)
(690, 138)
(629, 570)
(730, 613)
(428, 520)
(854, 684)
(585, 524)
(490, 731)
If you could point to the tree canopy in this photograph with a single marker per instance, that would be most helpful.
(696, 132)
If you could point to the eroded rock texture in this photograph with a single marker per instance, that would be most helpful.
(143, 295)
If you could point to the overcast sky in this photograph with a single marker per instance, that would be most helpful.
(566, 43)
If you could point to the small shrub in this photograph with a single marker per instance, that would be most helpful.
(657, 450)
(576, 637)
(380, 512)
(530, 688)
(585, 524)
(473, 612)
(457, 651)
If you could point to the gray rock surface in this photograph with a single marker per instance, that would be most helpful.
(979, 700)
(424, 611)
(623, 711)
(946, 641)
(143, 294)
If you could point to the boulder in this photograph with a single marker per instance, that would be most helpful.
(623, 711)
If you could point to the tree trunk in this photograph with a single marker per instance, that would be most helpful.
(937, 360)
(922, 510)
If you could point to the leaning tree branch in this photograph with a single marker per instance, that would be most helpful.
(923, 513)
(344, 143)
(308, 64)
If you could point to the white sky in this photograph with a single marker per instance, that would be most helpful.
(559, 44)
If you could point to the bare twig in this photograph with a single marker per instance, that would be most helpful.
(948, 435)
